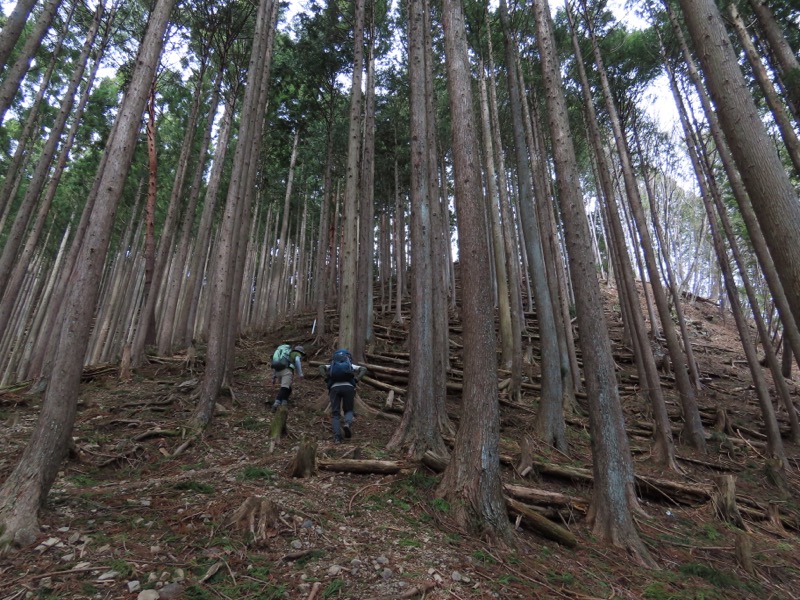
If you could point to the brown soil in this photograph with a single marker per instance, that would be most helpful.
(124, 511)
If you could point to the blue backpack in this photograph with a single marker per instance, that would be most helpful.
(341, 367)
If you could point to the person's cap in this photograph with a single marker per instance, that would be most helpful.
(300, 350)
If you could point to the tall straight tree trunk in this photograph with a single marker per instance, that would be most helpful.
(472, 478)
(221, 295)
(29, 483)
(13, 28)
(45, 162)
(13, 267)
(419, 429)
(14, 170)
(664, 449)
(772, 194)
(440, 242)
(399, 243)
(757, 240)
(788, 64)
(774, 442)
(194, 283)
(349, 265)
(498, 247)
(775, 104)
(691, 415)
(324, 257)
(275, 281)
(550, 421)
(167, 333)
(614, 498)
(366, 222)
(691, 363)
(15, 74)
(512, 256)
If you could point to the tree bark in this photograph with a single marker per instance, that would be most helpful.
(472, 479)
(349, 265)
(550, 422)
(419, 429)
(691, 415)
(13, 28)
(28, 485)
(614, 498)
(772, 194)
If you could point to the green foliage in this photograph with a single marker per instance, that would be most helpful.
(484, 557)
(717, 578)
(255, 472)
(710, 532)
(195, 486)
(82, 480)
(441, 505)
(196, 592)
(560, 578)
(333, 588)
(307, 558)
(121, 567)
(410, 543)
(252, 424)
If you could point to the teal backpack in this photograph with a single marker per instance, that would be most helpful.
(280, 359)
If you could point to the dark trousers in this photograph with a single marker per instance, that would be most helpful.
(341, 397)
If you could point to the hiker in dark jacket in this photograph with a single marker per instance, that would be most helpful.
(341, 376)
(286, 376)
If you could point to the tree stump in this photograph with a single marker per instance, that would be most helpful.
(722, 423)
(525, 466)
(724, 499)
(776, 474)
(774, 516)
(744, 552)
(257, 517)
(125, 364)
(278, 428)
(304, 463)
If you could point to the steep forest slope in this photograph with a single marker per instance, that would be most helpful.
(138, 513)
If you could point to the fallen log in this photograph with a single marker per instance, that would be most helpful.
(545, 497)
(541, 524)
(363, 467)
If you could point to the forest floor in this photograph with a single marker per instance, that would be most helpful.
(128, 519)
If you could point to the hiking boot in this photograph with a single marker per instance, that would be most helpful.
(337, 439)
(276, 405)
(347, 432)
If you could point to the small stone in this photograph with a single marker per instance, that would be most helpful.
(171, 591)
(431, 571)
(305, 588)
(152, 577)
(68, 557)
(155, 549)
(356, 563)
(63, 529)
(386, 573)
(466, 579)
(456, 576)
(318, 530)
(165, 576)
(146, 502)
(382, 560)
(179, 575)
(46, 582)
(307, 524)
(296, 544)
(148, 595)
(108, 575)
(103, 549)
(81, 565)
(134, 586)
(334, 570)
(73, 539)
